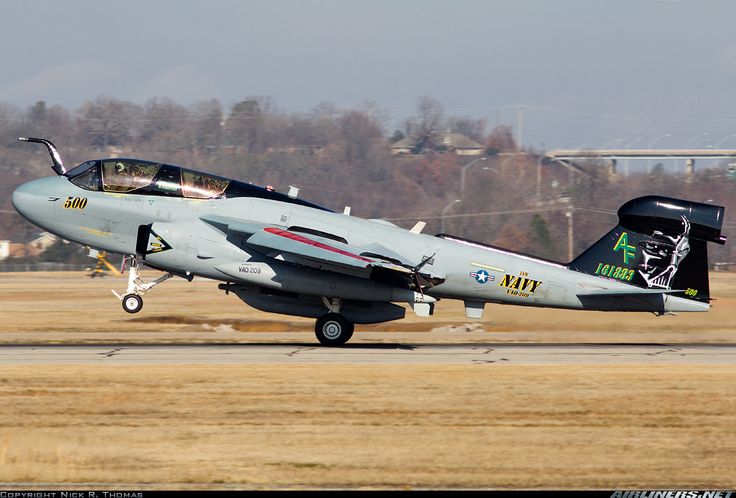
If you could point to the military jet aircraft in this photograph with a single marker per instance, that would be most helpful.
(281, 254)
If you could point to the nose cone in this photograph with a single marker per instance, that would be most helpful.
(35, 200)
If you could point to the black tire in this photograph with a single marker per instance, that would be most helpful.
(333, 330)
(132, 303)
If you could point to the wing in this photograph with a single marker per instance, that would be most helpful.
(309, 249)
(234, 225)
(319, 250)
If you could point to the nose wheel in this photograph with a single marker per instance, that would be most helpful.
(132, 303)
(333, 330)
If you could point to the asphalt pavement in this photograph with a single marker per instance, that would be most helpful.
(384, 353)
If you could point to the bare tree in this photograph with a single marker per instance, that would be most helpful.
(427, 121)
(206, 126)
(247, 123)
(107, 121)
(501, 139)
(358, 132)
(471, 128)
(162, 116)
(11, 121)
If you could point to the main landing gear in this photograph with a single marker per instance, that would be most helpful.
(132, 300)
(333, 329)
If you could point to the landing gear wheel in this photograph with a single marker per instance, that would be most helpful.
(333, 330)
(132, 303)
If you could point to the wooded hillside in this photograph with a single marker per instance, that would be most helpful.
(342, 157)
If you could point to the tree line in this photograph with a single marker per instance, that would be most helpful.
(342, 157)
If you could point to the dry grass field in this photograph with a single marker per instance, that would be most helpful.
(343, 425)
(393, 426)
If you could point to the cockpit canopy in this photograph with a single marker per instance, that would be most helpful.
(135, 176)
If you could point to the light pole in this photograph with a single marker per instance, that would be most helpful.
(718, 144)
(462, 173)
(519, 127)
(657, 139)
(626, 164)
(651, 144)
(691, 142)
(636, 139)
(570, 170)
(539, 177)
(610, 143)
(444, 212)
(570, 236)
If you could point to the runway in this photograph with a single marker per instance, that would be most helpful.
(306, 353)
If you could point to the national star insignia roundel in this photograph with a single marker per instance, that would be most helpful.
(481, 276)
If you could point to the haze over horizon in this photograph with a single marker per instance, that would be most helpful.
(587, 73)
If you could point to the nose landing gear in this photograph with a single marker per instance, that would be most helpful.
(132, 300)
(132, 303)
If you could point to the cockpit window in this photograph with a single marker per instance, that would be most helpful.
(126, 175)
(90, 179)
(198, 185)
(166, 182)
(80, 169)
(139, 177)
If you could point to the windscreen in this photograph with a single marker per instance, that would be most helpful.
(80, 169)
(88, 180)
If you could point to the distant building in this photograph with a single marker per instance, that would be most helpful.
(462, 145)
(446, 142)
(404, 146)
(15, 250)
(43, 242)
(20, 250)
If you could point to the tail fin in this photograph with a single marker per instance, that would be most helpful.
(659, 243)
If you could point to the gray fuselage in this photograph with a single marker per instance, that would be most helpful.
(472, 272)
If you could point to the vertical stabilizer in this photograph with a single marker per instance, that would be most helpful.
(659, 243)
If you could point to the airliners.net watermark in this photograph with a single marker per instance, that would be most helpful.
(672, 494)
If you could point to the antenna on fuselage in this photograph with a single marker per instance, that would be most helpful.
(58, 166)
